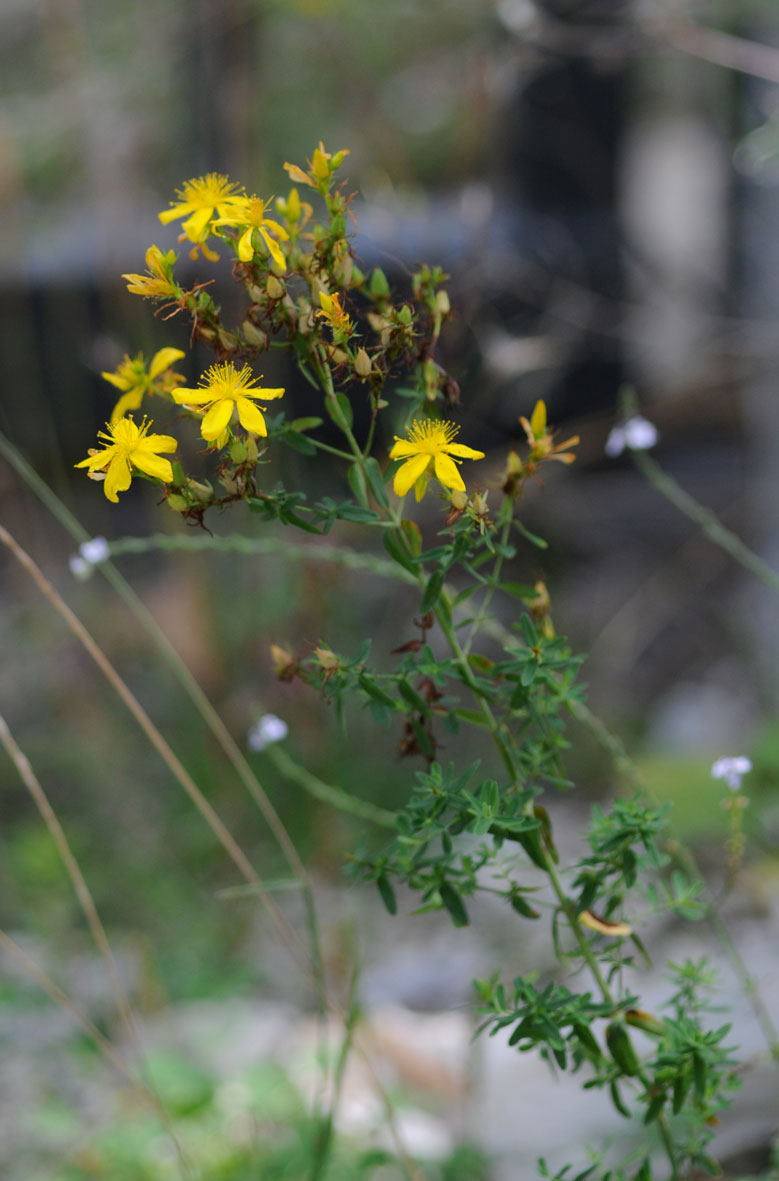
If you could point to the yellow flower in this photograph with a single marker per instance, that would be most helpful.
(335, 315)
(322, 165)
(134, 379)
(429, 445)
(222, 389)
(251, 213)
(539, 438)
(129, 446)
(158, 284)
(200, 198)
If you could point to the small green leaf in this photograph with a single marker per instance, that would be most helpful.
(397, 550)
(356, 478)
(387, 893)
(454, 904)
(432, 593)
(523, 907)
(378, 285)
(681, 1087)
(299, 443)
(616, 1099)
(529, 631)
(376, 481)
(305, 424)
(413, 536)
(340, 412)
(412, 698)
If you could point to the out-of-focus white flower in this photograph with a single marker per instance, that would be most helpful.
(732, 770)
(79, 568)
(90, 554)
(266, 730)
(95, 550)
(637, 434)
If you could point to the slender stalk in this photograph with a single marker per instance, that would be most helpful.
(708, 521)
(106, 1048)
(199, 700)
(257, 546)
(330, 450)
(443, 615)
(179, 772)
(73, 870)
(334, 796)
(90, 912)
(481, 614)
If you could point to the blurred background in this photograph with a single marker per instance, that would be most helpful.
(600, 178)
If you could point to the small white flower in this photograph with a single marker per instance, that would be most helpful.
(732, 770)
(79, 568)
(90, 553)
(637, 434)
(266, 730)
(94, 551)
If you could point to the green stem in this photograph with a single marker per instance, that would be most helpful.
(330, 450)
(326, 792)
(708, 521)
(443, 613)
(481, 614)
(237, 543)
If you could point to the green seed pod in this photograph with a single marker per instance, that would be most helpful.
(621, 1048)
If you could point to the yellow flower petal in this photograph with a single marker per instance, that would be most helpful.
(163, 360)
(299, 175)
(216, 419)
(192, 397)
(276, 227)
(538, 419)
(275, 251)
(195, 225)
(447, 473)
(250, 417)
(463, 452)
(154, 443)
(129, 401)
(118, 380)
(246, 245)
(402, 448)
(180, 210)
(118, 477)
(409, 473)
(155, 465)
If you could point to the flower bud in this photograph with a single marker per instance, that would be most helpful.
(442, 304)
(200, 491)
(459, 499)
(646, 1022)
(362, 363)
(254, 335)
(284, 663)
(343, 270)
(327, 659)
(319, 165)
